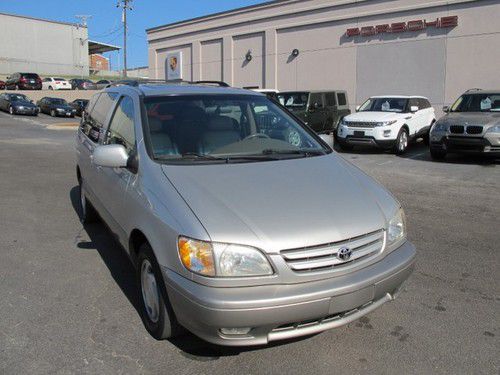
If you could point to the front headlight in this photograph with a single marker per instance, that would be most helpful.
(396, 230)
(222, 260)
(60, 110)
(439, 127)
(494, 129)
(386, 123)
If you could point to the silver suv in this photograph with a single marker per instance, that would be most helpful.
(470, 125)
(244, 226)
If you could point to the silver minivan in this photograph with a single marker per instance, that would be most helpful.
(244, 226)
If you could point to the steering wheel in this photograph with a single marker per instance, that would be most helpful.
(257, 135)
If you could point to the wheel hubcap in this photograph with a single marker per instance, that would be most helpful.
(403, 141)
(149, 289)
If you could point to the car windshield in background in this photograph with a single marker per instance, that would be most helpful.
(59, 79)
(384, 105)
(477, 103)
(58, 101)
(30, 75)
(293, 99)
(225, 127)
(15, 97)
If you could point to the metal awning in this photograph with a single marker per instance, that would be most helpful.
(97, 47)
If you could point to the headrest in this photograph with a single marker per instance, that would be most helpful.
(155, 124)
(220, 123)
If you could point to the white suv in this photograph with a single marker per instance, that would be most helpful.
(388, 122)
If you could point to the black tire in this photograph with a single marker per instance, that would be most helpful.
(437, 154)
(88, 214)
(165, 325)
(50, 88)
(16, 87)
(402, 142)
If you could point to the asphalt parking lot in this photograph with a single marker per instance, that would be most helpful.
(68, 298)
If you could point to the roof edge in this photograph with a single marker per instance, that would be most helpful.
(218, 14)
(74, 24)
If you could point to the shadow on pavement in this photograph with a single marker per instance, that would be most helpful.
(123, 272)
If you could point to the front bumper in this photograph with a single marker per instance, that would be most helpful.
(26, 111)
(380, 136)
(276, 312)
(466, 144)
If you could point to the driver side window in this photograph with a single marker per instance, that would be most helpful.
(121, 129)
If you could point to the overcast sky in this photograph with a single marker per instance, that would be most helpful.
(105, 24)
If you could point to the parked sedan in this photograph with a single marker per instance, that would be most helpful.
(103, 83)
(82, 84)
(56, 107)
(17, 104)
(2, 85)
(53, 83)
(79, 105)
(24, 81)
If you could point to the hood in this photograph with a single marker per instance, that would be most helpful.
(375, 116)
(471, 118)
(24, 103)
(284, 204)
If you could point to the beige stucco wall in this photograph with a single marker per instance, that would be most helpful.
(438, 63)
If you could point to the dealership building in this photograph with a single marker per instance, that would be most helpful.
(47, 47)
(433, 48)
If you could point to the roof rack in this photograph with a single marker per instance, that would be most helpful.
(474, 89)
(143, 81)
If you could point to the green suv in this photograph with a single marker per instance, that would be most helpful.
(322, 110)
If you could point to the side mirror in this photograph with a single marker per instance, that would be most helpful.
(413, 108)
(357, 108)
(446, 109)
(111, 156)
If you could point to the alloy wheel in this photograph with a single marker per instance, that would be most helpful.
(403, 141)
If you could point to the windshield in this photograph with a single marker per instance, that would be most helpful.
(293, 99)
(58, 101)
(59, 79)
(477, 103)
(384, 105)
(225, 127)
(30, 75)
(16, 97)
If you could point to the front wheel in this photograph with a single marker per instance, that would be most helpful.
(401, 142)
(12, 111)
(53, 113)
(156, 311)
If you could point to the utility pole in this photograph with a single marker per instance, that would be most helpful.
(125, 5)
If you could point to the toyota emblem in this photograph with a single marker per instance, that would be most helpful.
(344, 254)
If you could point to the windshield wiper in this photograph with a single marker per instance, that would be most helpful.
(195, 155)
(305, 153)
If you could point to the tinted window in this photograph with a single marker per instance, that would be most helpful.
(342, 98)
(294, 100)
(330, 99)
(413, 102)
(102, 108)
(316, 98)
(121, 129)
(30, 75)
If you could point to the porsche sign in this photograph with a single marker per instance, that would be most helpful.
(400, 27)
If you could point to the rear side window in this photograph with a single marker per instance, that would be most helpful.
(342, 99)
(423, 103)
(330, 99)
(316, 98)
(121, 129)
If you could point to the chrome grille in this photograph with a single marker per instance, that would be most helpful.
(457, 129)
(360, 124)
(324, 257)
(474, 129)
